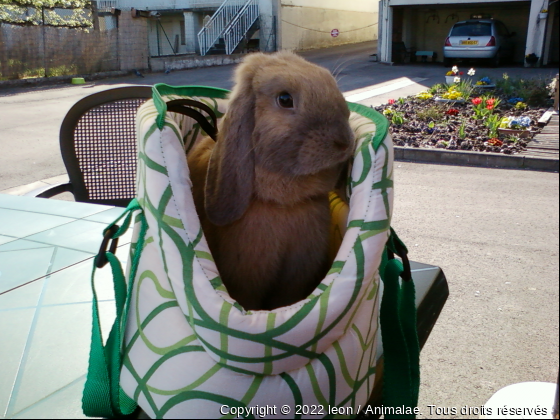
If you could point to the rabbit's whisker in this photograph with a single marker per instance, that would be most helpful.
(337, 65)
(341, 67)
(340, 78)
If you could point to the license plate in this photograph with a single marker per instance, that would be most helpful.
(469, 42)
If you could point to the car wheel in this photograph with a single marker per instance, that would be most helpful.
(446, 62)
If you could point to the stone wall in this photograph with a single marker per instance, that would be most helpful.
(133, 42)
(37, 52)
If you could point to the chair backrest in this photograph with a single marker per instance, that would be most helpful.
(98, 145)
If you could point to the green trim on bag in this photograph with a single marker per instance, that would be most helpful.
(381, 123)
(162, 89)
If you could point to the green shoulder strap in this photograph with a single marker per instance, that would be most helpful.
(401, 349)
(103, 396)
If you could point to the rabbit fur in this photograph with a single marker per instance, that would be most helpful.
(261, 190)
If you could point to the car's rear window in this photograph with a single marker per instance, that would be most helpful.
(472, 29)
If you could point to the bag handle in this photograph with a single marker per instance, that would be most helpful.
(181, 106)
(103, 396)
(160, 90)
(401, 349)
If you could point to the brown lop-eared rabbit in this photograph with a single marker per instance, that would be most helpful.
(261, 190)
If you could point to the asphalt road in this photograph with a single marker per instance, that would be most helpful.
(494, 232)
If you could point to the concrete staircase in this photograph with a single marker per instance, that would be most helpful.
(234, 21)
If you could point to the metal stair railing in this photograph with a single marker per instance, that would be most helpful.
(219, 21)
(237, 29)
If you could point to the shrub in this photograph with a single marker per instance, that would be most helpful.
(535, 92)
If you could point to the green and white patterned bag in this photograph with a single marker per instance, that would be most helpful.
(182, 348)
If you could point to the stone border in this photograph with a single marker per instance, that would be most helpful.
(183, 62)
(480, 159)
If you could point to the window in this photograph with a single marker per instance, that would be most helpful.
(472, 29)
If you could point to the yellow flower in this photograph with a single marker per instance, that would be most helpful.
(424, 95)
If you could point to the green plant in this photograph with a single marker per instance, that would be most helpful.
(465, 88)
(432, 113)
(505, 84)
(397, 118)
(484, 106)
(32, 73)
(493, 123)
(462, 133)
(77, 13)
(452, 93)
(437, 88)
(535, 92)
(62, 70)
(424, 95)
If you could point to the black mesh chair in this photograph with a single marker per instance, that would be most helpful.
(98, 147)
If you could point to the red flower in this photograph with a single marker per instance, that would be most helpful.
(461, 73)
(495, 142)
(391, 101)
(489, 106)
(490, 102)
(477, 101)
(452, 111)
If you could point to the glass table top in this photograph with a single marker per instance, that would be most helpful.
(46, 252)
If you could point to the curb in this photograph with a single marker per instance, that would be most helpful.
(478, 159)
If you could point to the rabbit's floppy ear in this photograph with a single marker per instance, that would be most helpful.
(231, 169)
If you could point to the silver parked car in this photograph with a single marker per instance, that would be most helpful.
(479, 39)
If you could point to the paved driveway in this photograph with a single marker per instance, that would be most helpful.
(495, 234)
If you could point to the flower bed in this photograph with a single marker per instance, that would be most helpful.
(469, 119)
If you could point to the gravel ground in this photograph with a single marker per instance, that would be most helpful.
(451, 125)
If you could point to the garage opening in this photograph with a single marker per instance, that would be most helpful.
(425, 27)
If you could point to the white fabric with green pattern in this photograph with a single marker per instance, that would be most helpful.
(189, 348)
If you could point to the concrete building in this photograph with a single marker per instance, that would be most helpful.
(308, 24)
(180, 26)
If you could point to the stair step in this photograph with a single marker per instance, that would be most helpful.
(216, 51)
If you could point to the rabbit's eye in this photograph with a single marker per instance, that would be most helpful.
(285, 100)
